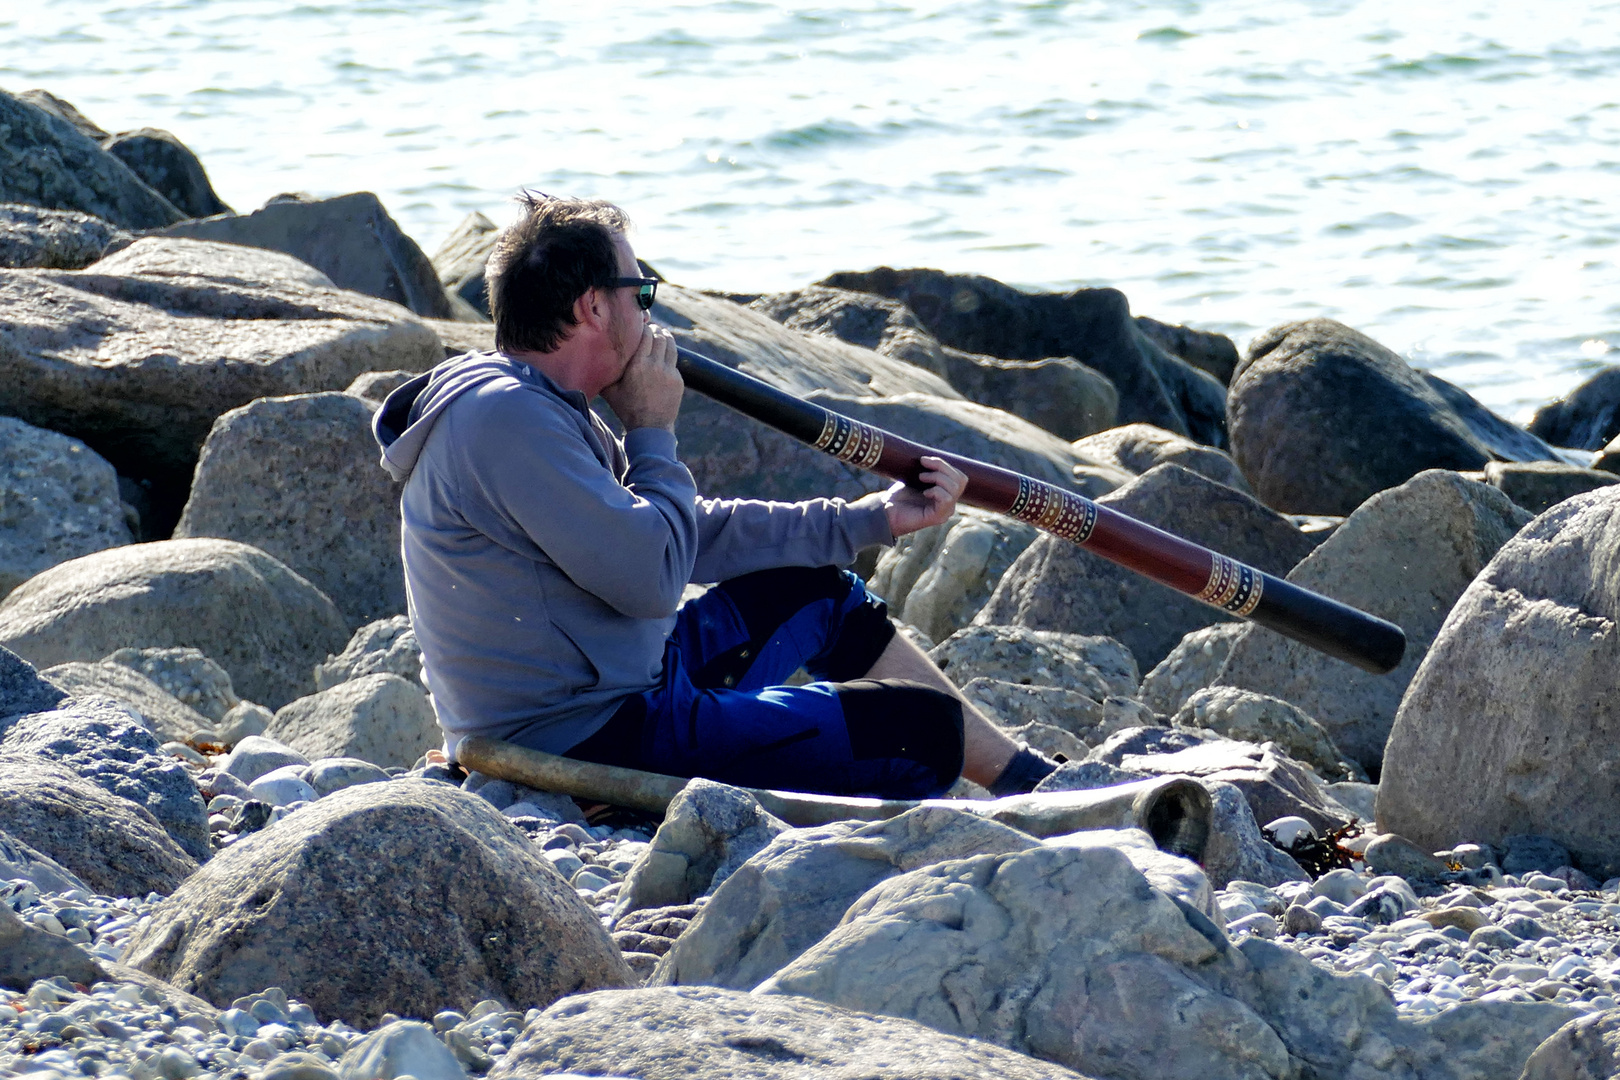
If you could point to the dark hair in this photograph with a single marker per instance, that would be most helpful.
(544, 261)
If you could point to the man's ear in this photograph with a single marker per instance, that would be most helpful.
(588, 310)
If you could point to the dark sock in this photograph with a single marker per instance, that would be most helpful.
(1026, 769)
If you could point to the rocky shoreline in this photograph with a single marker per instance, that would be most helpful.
(229, 849)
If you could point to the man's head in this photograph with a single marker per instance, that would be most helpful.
(555, 252)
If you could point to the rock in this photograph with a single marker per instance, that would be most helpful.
(1011, 705)
(460, 260)
(938, 578)
(260, 621)
(1323, 417)
(1256, 718)
(168, 167)
(1392, 854)
(375, 386)
(386, 646)
(336, 773)
(19, 861)
(257, 756)
(1087, 775)
(1093, 326)
(1587, 417)
(1608, 458)
(45, 161)
(1177, 877)
(708, 831)
(1586, 1048)
(187, 675)
(297, 477)
(1056, 585)
(166, 717)
(794, 891)
(58, 501)
(104, 743)
(1528, 852)
(682, 1032)
(1518, 694)
(115, 846)
(1538, 486)
(1193, 664)
(1301, 921)
(402, 1048)
(1059, 394)
(32, 237)
(283, 787)
(458, 338)
(28, 954)
(377, 718)
(307, 906)
(1237, 849)
(243, 721)
(1053, 741)
(349, 238)
(21, 688)
(1466, 919)
(1203, 349)
(1406, 556)
(1141, 448)
(140, 353)
(1355, 797)
(1094, 666)
(66, 110)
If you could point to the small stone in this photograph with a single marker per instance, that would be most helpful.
(1523, 927)
(334, 774)
(242, 720)
(283, 787)
(399, 1048)
(1260, 924)
(1492, 937)
(589, 880)
(1467, 919)
(256, 755)
(1341, 886)
(1299, 920)
(567, 863)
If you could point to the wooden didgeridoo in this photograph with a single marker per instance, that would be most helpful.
(1339, 630)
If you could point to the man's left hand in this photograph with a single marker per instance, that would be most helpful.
(909, 509)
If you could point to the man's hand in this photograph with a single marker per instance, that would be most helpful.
(648, 394)
(909, 509)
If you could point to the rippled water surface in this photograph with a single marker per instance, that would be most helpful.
(1441, 175)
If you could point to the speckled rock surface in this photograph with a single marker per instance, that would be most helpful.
(937, 579)
(165, 716)
(33, 237)
(1192, 665)
(1257, 718)
(1143, 447)
(21, 688)
(185, 674)
(377, 718)
(387, 645)
(1094, 666)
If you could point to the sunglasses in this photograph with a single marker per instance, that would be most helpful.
(646, 289)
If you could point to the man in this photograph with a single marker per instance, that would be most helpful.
(545, 559)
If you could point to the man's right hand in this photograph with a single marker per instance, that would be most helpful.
(648, 394)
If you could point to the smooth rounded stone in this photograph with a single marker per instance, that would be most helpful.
(567, 863)
(113, 845)
(1323, 907)
(1299, 920)
(1381, 906)
(378, 718)
(1357, 798)
(1260, 924)
(169, 168)
(1543, 882)
(1406, 555)
(297, 477)
(1055, 585)
(1259, 718)
(1538, 486)
(103, 742)
(1466, 919)
(1342, 886)
(32, 237)
(1094, 666)
(336, 773)
(1392, 854)
(296, 1067)
(1523, 927)
(260, 621)
(1013, 705)
(1530, 648)
(1587, 417)
(1140, 448)
(58, 501)
(677, 1033)
(185, 674)
(259, 755)
(589, 880)
(1586, 1048)
(283, 787)
(46, 161)
(165, 715)
(244, 720)
(307, 906)
(385, 646)
(937, 579)
(404, 1047)
(28, 953)
(1192, 665)
(1093, 326)
(1323, 417)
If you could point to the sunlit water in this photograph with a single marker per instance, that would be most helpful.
(1440, 175)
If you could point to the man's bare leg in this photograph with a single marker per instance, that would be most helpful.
(986, 749)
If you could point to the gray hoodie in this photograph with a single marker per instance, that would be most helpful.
(544, 558)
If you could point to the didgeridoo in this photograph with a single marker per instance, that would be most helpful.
(1339, 630)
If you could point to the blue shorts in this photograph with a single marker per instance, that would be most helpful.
(720, 712)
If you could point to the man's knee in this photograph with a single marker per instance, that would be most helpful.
(766, 599)
(896, 719)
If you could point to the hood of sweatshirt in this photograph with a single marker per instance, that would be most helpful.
(408, 414)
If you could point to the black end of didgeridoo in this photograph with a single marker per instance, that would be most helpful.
(1341, 631)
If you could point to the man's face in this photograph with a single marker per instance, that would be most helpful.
(625, 319)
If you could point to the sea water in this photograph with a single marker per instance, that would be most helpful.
(1440, 175)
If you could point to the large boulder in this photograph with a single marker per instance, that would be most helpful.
(1203, 349)
(46, 161)
(1585, 418)
(106, 744)
(1141, 448)
(1405, 556)
(1093, 326)
(115, 846)
(678, 1033)
(58, 501)
(22, 861)
(21, 688)
(937, 579)
(1088, 720)
(1094, 666)
(1323, 417)
(349, 238)
(460, 260)
(33, 237)
(257, 619)
(186, 675)
(1056, 585)
(385, 646)
(1587, 1048)
(1519, 695)
(168, 718)
(1538, 486)
(407, 897)
(297, 477)
(1193, 664)
(378, 718)
(169, 168)
(138, 354)
(1246, 716)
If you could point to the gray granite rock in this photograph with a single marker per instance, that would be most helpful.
(402, 1048)
(169, 168)
(187, 675)
(1193, 664)
(1237, 850)
(336, 773)
(460, 260)
(1141, 448)
(387, 645)
(20, 861)
(1587, 417)
(28, 954)
(165, 716)
(21, 688)
(1388, 853)
(1013, 705)
(32, 237)
(1094, 666)
(937, 579)
(1246, 716)
(257, 755)
(377, 718)
(1538, 486)
(1586, 1048)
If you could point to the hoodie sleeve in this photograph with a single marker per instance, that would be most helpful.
(631, 544)
(739, 536)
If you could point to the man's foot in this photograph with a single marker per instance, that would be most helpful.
(1026, 769)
